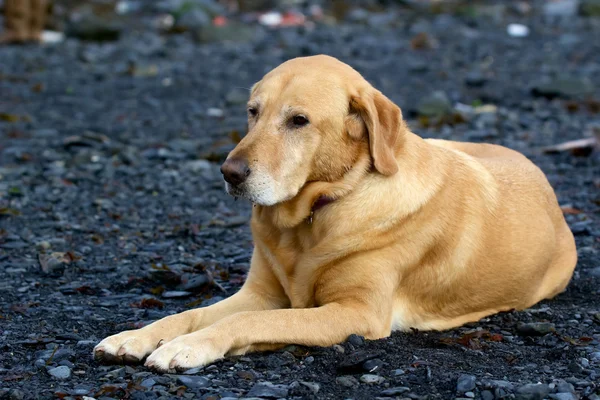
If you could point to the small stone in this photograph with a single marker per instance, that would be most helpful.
(535, 328)
(465, 383)
(435, 105)
(565, 86)
(193, 371)
(193, 382)
(43, 245)
(533, 391)
(395, 391)
(85, 343)
(116, 373)
(193, 19)
(247, 375)
(214, 112)
(314, 387)
(347, 381)
(339, 349)
(356, 340)
(469, 395)
(372, 365)
(517, 30)
(174, 294)
(16, 394)
(269, 390)
(475, 79)
(564, 396)
(62, 372)
(371, 378)
(148, 383)
(561, 9)
(196, 283)
(487, 395)
(353, 363)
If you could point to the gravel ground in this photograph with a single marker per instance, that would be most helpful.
(113, 211)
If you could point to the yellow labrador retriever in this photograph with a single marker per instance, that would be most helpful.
(361, 226)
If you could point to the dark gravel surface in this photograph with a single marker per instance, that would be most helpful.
(113, 212)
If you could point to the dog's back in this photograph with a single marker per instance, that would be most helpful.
(512, 168)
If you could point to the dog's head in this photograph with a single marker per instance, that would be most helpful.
(309, 120)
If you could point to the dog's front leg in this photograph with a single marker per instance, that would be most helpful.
(364, 308)
(261, 291)
(322, 326)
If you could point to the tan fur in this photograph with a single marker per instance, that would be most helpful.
(425, 234)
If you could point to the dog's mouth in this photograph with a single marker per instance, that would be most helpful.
(262, 195)
(235, 191)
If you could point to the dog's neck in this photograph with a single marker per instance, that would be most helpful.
(314, 196)
(320, 203)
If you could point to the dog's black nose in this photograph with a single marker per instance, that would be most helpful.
(235, 171)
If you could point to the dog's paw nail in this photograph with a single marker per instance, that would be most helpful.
(149, 364)
(121, 352)
(173, 364)
(160, 343)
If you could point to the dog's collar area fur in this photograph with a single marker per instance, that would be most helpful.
(321, 202)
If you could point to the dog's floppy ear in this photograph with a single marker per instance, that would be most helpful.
(383, 120)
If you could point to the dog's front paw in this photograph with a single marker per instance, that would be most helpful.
(128, 346)
(188, 351)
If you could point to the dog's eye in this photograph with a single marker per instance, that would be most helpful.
(299, 120)
(252, 111)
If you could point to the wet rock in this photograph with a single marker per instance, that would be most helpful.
(395, 391)
(341, 350)
(435, 105)
(193, 382)
(561, 8)
(195, 283)
(347, 381)
(148, 383)
(176, 294)
(371, 378)
(487, 395)
(312, 386)
(195, 18)
(56, 355)
(268, 390)
(353, 363)
(356, 340)
(565, 387)
(535, 328)
(567, 87)
(475, 79)
(465, 383)
(15, 394)
(372, 365)
(62, 372)
(564, 396)
(532, 391)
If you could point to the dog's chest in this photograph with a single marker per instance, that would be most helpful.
(294, 273)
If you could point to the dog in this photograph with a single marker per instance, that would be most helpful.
(362, 227)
